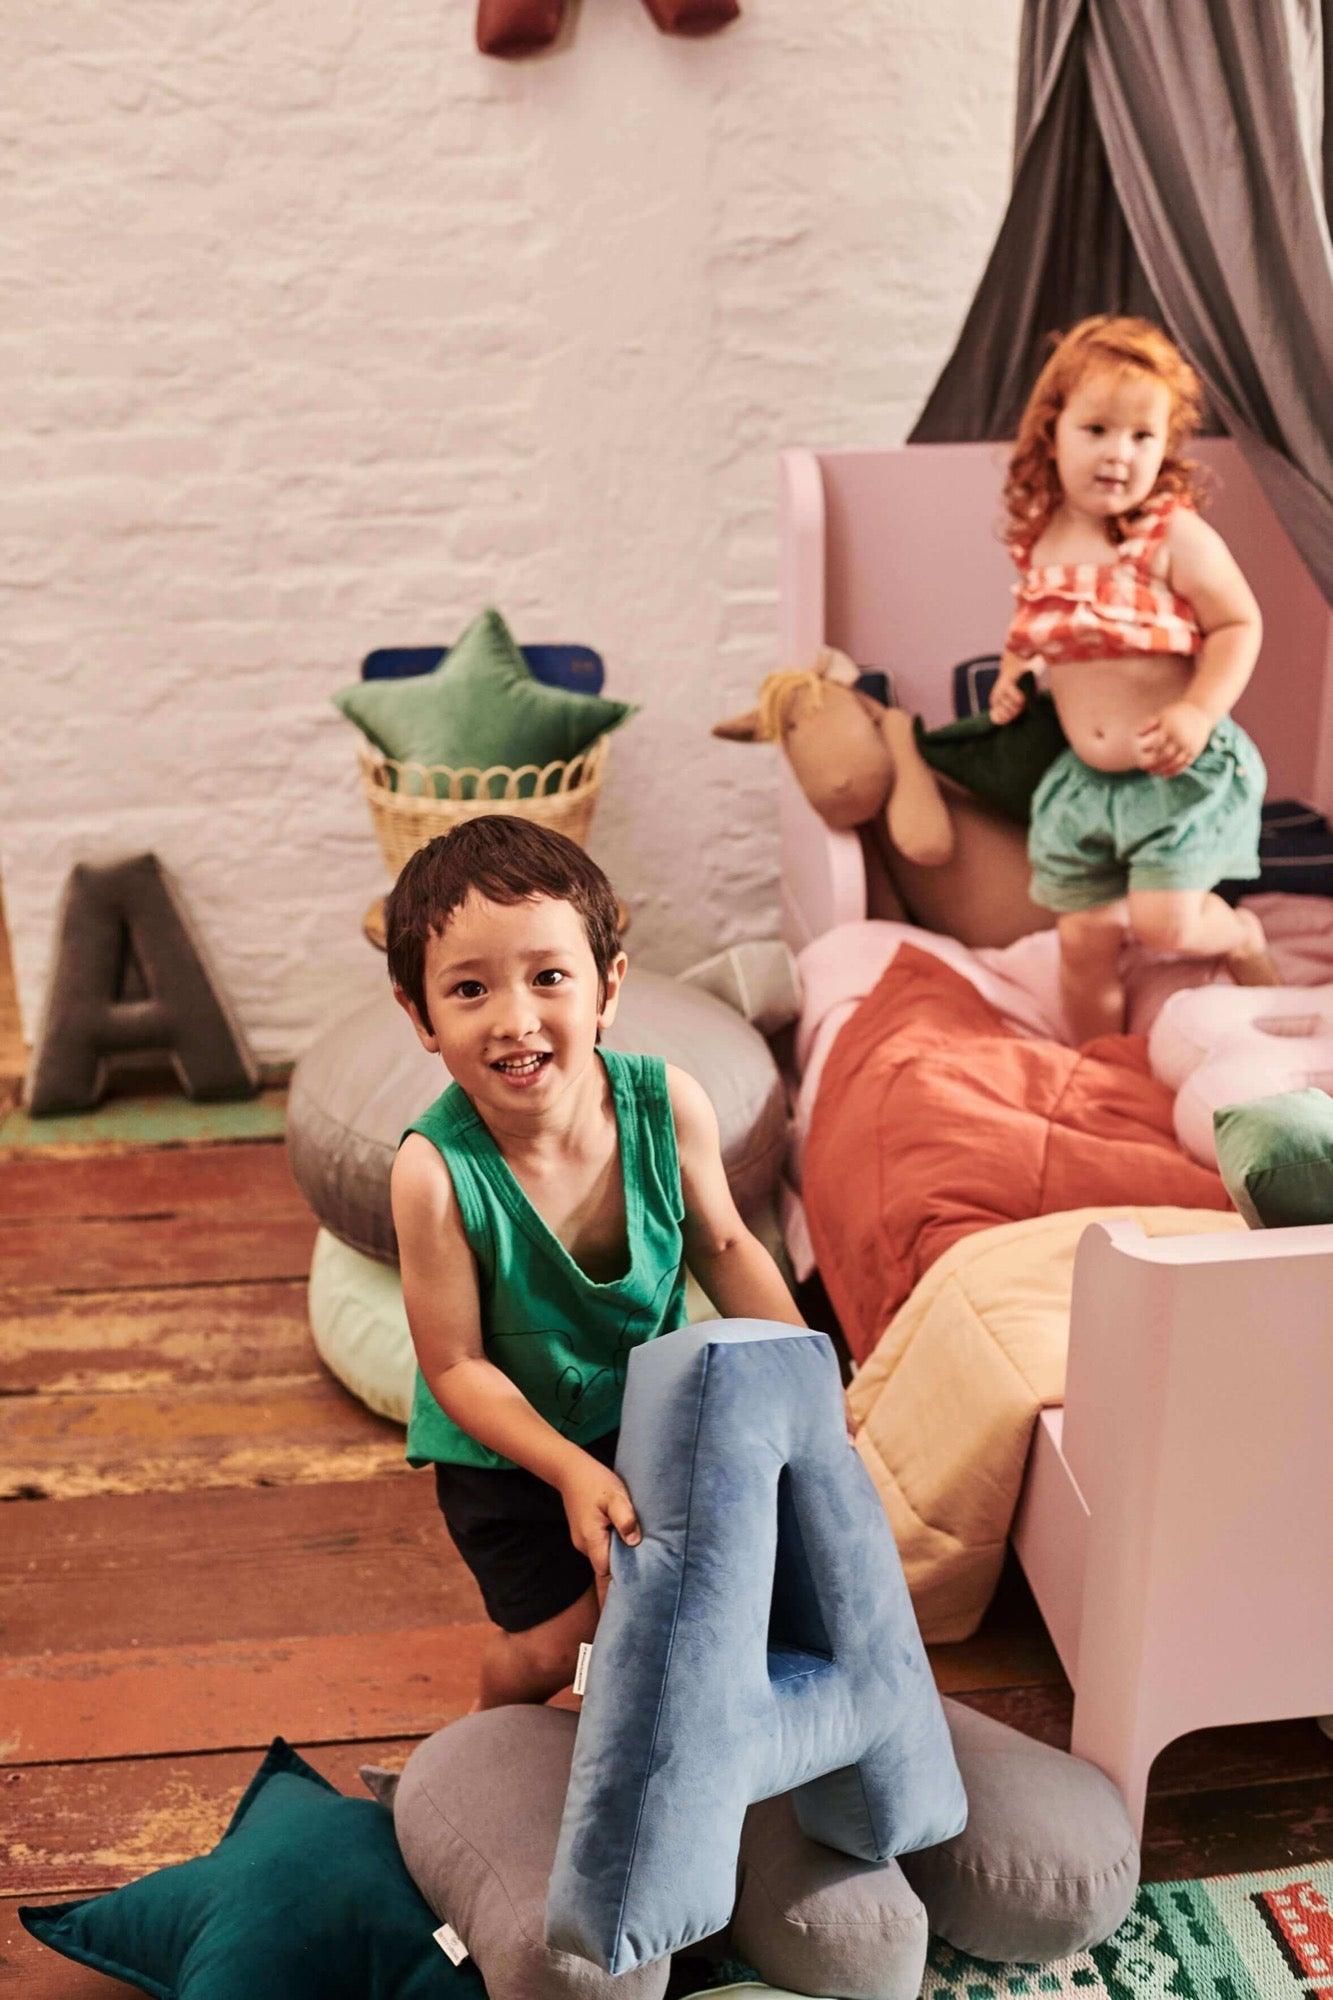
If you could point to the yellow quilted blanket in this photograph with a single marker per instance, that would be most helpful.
(946, 1403)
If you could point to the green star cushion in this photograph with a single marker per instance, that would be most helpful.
(480, 706)
(1276, 1157)
(1001, 763)
(306, 1894)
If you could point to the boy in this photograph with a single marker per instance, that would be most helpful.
(545, 1206)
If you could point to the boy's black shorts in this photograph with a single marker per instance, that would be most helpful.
(511, 1531)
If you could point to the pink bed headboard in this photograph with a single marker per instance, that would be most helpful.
(893, 556)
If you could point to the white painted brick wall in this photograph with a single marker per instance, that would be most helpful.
(323, 331)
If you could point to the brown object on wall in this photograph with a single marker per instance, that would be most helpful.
(522, 27)
(980, 894)
(692, 17)
(517, 27)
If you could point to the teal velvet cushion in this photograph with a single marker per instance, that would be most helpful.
(481, 706)
(1001, 763)
(1276, 1157)
(758, 1640)
(305, 1894)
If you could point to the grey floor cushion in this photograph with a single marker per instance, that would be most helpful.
(477, 1813)
(365, 1079)
(359, 1326)
(820, 1921)
(1047, 1864)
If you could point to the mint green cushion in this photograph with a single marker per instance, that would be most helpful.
(1001, 763)
(1276, 1157)
(306, 1894)
(480, 706)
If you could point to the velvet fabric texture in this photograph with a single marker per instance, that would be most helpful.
(1047, 1865)
(759, 1640)
(481, 706)
(477, 1814)
(305, 1894)
(1000, 763)
(1276, 1156)
(131, 975)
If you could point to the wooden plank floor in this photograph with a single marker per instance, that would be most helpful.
(209, 1543)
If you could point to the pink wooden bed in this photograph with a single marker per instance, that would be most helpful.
(1177, 1516)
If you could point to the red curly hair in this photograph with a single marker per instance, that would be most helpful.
(1120, 345)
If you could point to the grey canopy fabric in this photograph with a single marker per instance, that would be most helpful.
(1172, 161)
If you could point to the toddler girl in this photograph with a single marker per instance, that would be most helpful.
(1148, 632)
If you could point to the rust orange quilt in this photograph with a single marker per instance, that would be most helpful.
(934, 1119)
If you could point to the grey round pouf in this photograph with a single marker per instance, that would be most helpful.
(1047, 1863)
(364, 1080)
(359, 1326)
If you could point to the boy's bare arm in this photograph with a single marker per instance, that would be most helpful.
(444, 1318)
(730, 1263)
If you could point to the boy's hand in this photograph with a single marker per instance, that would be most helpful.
(1170, 743)
(1007, 700)
(596, 1501)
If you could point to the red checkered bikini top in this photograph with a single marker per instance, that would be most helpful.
(1098, 611)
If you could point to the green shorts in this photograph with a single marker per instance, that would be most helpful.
(1097, 834)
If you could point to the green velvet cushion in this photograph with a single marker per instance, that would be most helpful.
(1002, 763)
(1276, 1157)
(306, 1894)
(481, 706)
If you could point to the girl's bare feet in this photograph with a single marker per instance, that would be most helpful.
(1251, 963)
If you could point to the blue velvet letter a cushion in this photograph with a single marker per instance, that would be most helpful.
(759, 1640)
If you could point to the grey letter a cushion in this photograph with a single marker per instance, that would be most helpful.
(477, 1813)
(817, 1921)
(1047, 1863)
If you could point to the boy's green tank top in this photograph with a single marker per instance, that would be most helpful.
(562, 1337)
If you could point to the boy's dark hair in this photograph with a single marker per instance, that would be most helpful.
(505, 859)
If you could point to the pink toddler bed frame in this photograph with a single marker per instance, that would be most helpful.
(1176, 1522)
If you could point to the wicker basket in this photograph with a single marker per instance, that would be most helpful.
(404, 820)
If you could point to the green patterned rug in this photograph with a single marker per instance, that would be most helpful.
(1229, 1937)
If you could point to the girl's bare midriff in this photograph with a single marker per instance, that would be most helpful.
(1102, 704)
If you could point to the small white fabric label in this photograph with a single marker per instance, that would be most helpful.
(581, 1670)
(447, 1938)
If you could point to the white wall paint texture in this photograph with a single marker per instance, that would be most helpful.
(324, 331)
